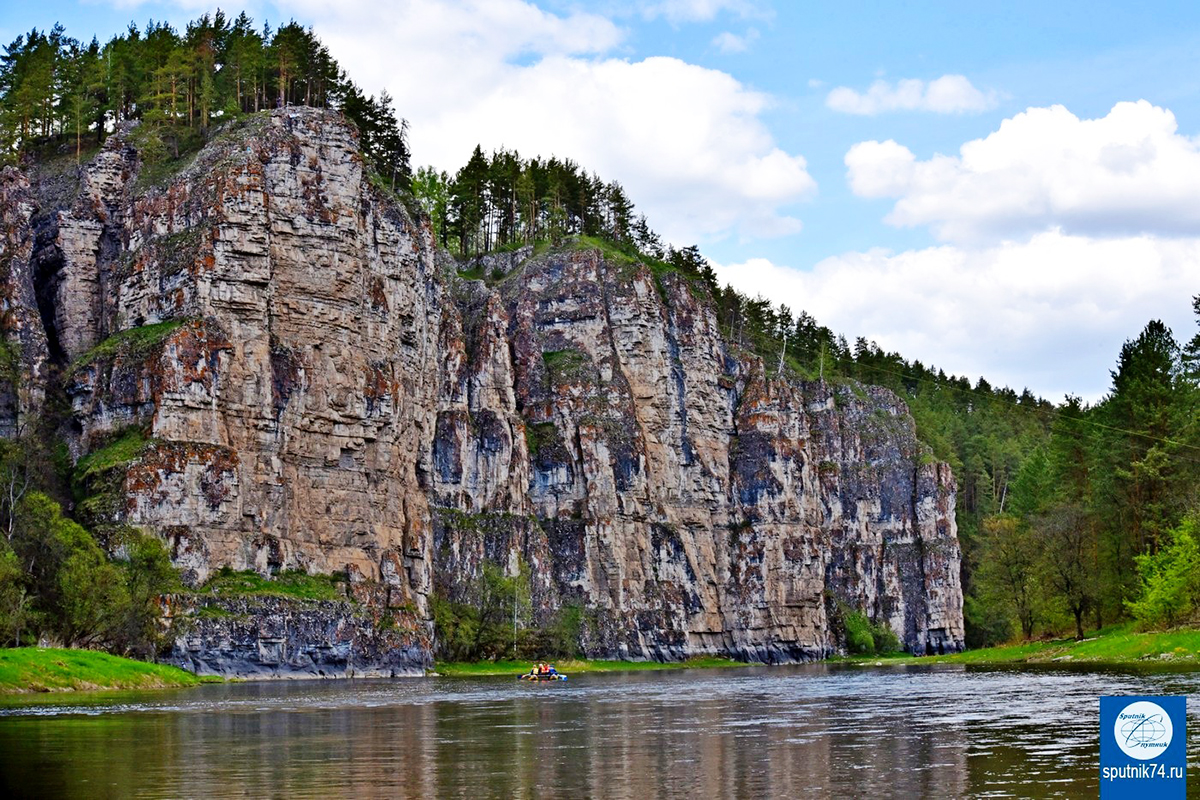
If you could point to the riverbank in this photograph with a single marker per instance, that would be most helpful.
(1114, 646)
(576, 666)
(26, 670)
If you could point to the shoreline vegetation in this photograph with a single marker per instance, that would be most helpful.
(1116, 646)
(572, 666)
(33, 670)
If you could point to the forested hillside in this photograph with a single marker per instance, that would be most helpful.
(56, 90)
(1072, 515)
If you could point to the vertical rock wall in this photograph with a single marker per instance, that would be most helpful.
(311, 386)
(676, 485)
(24, 351)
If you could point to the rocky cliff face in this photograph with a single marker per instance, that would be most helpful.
(302, 381)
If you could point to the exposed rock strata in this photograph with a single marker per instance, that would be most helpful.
(274, 637)
(24, 352)
(333, 397)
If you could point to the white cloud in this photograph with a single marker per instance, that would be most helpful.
(677, 11)
(1050, 313)
(949, 94)
(1126, 173)
(728, 42)
(688, 143)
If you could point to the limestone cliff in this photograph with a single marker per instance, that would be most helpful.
(308, 384)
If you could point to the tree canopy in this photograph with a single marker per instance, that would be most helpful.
(178, 84)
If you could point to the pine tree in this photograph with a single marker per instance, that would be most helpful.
(469, 204)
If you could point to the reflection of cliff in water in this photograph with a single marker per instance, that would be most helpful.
(813, 731)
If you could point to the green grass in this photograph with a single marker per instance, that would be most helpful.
(34, 669)
(574, 666)
(292, 583)
(216, 612)
(135, 342)
(539, 435)
(562, 360)
(159, 173)
(565, 365)
(610, 250)
(488, 520)
(1113, 646)
(476, 274)
(120, 450)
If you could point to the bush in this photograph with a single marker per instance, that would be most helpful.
(93, 599)
(557, 640)
(480, 626)
(859, 641)
(76, 594)
(567, 629)
(987, 623)
(1170, 578)
(149, 574)
(14, 600)
(866, 638)
(483, 627)
(885, 639)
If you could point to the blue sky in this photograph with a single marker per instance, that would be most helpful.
(951, 212)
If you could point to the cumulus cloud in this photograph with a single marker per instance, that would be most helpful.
(949, 94)
(1128, 172)
(1049, 313)
(688, 143)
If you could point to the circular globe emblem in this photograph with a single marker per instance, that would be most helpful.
(1143, 730)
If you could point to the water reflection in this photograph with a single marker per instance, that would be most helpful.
(817, 730)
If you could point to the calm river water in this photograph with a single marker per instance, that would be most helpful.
(805, 731)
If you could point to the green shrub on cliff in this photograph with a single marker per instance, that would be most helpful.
(867, 638)
(289, 583)
(98, 478)
(490, 621)
(122, 448)
(136, 342)
(859, 640)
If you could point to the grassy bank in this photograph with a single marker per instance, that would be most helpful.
(34, 669)
(1114, 646)
(574, 667)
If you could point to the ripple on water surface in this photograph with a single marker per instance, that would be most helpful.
(810, 730)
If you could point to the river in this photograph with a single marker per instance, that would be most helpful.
(804, 731)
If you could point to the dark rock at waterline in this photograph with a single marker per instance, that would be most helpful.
(279, 637)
